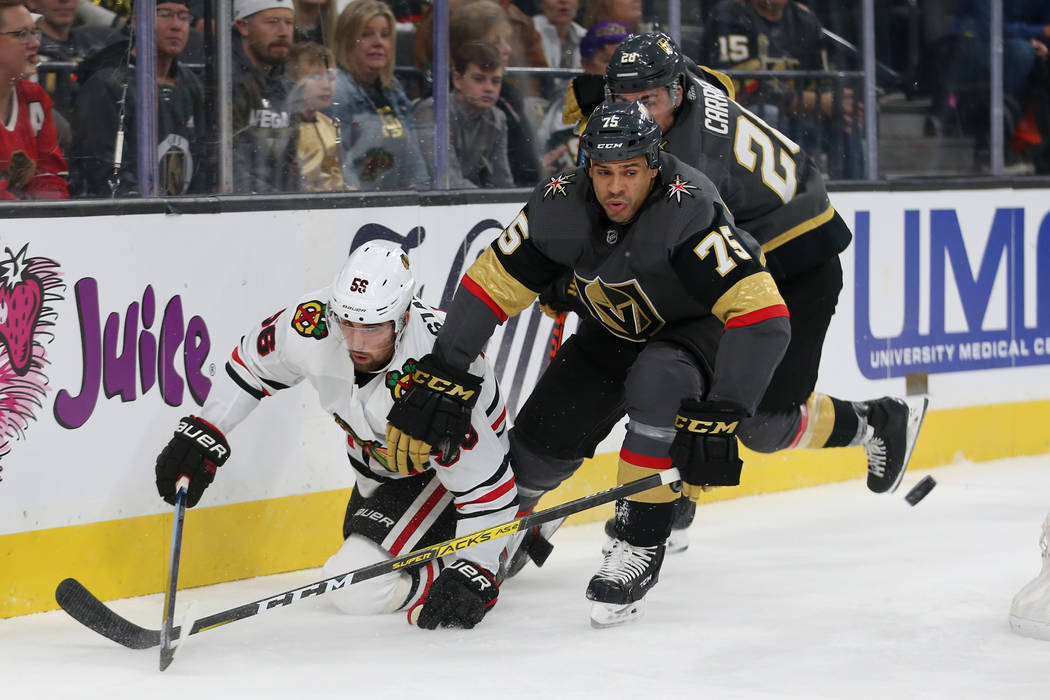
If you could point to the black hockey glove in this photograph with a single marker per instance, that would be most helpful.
(705, 446)
(197, 450)
(460, 597)
(561, 296)
(435, 411)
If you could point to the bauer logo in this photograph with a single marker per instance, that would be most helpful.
(961, 289)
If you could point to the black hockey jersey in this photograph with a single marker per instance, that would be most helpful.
(681, 261)
(774, 190)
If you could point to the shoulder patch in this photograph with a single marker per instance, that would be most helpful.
(399, 381)
(557, 184)
(678, 187)
(309, 320)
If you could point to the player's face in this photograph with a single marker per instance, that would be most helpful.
(173, 28)
(375, 46)
(268, 34)
(621, 186)
(17, 55)
(478, 88)
(370, 345)
(657, 101)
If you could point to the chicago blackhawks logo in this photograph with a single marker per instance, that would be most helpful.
(309, 320)
(28, 289)
(557, 185)
(371, 449)
(679, 187)
(399, 381)
(622, 308)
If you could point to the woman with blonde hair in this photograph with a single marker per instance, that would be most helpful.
(315, 21)
(379, 138)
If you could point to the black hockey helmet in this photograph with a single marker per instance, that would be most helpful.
(644, 61)
(621, 131)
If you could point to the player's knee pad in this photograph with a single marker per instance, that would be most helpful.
(663, 375)
(381, 594)
(535, 472)
(577, 401)
(768, 431)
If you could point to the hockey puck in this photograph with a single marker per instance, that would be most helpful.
(919, 491)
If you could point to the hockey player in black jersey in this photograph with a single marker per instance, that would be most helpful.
(777, 194)
(684, 329)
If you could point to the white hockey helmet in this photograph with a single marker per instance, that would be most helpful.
(375, 285)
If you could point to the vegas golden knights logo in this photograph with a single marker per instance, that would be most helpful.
(622, 308)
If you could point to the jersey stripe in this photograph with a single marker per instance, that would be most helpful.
(250, 390)
(476, 289)
(749, 319)
(644, 461)
(419, 517)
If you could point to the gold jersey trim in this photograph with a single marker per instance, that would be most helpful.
(796, 231)
(754, 292)
(503, 289)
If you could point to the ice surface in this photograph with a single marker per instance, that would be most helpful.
(827, 592)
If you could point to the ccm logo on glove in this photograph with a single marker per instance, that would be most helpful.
(708, 427)
(198, 435)
(442, 385)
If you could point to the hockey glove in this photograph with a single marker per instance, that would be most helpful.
(560, 296)
(705, 446)
(197, 450)
(435, 411)
(460, 597)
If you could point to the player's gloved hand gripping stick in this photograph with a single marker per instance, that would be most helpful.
(434, 412)
(705, 445)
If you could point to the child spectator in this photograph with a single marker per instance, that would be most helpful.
(31, 163)
(477, 128)
(320, 164)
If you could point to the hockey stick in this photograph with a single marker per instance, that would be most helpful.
(84, 607)
(554, 342)
(167, 649)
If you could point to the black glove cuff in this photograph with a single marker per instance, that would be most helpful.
(205, 438)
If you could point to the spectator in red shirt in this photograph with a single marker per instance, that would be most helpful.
(31, 163)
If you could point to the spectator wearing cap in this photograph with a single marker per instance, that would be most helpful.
(106, 106)
(265, 124)
(583, 93)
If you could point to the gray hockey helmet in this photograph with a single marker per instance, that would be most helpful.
(621, 131)
(643, 61)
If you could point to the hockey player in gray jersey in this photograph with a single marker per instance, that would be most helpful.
(359, 343)
(777, 194)
(685, 327)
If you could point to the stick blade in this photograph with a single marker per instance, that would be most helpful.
(85, 608)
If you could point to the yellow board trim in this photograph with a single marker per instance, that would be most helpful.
(124, 558)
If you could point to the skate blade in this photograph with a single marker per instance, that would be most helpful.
(1030, 628)
(677, 542)
(605, 615)
(917, 406)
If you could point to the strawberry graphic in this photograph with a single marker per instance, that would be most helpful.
(21, 296)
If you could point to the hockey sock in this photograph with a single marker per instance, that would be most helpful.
(829, 422)
(643, 524)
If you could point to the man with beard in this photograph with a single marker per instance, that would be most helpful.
(265, 125)
(106, 107)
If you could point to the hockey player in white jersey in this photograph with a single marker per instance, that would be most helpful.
(358, 343)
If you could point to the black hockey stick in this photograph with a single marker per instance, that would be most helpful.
(84, 607)
(167, 649)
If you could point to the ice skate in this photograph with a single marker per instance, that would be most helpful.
(533, 543)
(893, 428)
(621, 583)
(1030, 610)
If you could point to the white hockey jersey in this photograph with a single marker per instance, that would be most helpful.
(296, 343)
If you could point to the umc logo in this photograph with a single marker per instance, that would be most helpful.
(966, 300)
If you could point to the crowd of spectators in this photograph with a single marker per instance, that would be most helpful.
(321, 102)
